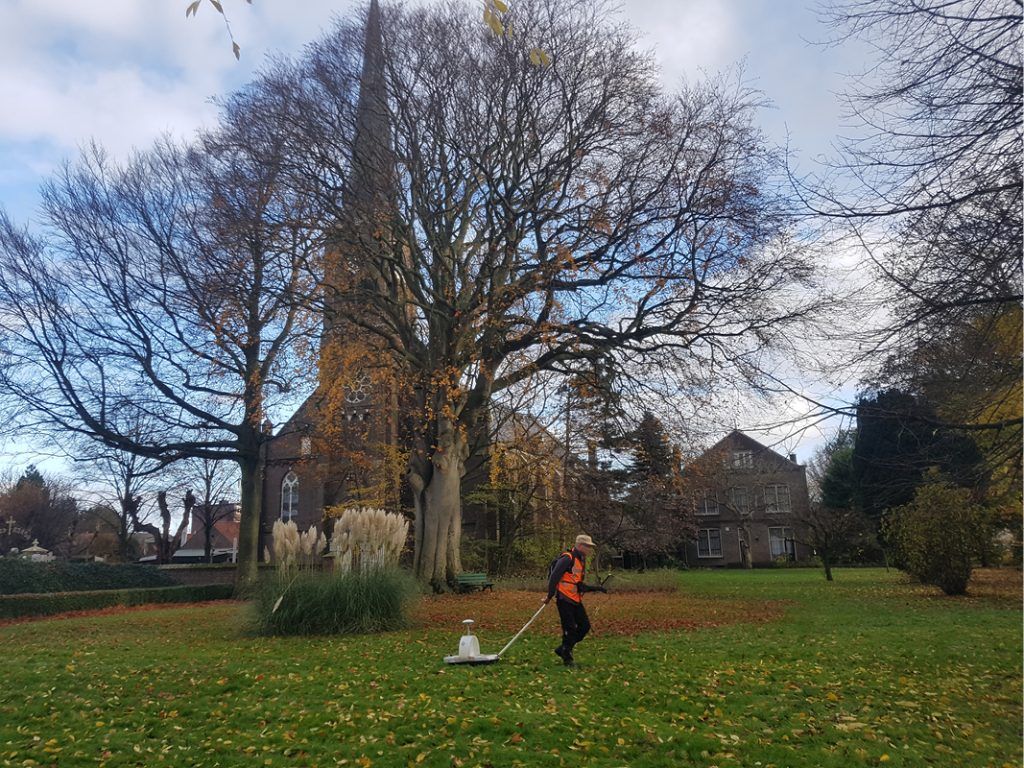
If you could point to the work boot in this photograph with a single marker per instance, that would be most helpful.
(567, 658)
(560, 652)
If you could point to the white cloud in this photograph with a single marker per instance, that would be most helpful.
(687, 36)
(123, 72)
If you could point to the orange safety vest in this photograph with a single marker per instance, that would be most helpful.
(568, 585)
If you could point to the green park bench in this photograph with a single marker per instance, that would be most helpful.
(471, 581)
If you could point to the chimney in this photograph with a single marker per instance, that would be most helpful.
(792, 457)
(592, 455)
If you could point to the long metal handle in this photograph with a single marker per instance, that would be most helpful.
(525, 627)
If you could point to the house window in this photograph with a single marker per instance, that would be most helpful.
(739, 499)
(776, 499)
(290, 497)
(742, 459)
(708, 503)
(780, 540)
(709, 542)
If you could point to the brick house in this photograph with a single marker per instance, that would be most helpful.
(749, 499)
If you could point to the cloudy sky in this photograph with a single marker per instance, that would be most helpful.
(122, 72)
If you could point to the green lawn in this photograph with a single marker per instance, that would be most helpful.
(865, 671)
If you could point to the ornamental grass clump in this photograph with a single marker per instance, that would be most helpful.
(335, 603)
(364, 592)
(295, 551)
(368, 539)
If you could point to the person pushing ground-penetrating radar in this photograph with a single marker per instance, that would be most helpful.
(566, 584)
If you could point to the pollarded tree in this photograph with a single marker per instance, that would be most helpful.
(216, 482)
(505, 215)
(120, 482)
(833, 525)
(166, 291)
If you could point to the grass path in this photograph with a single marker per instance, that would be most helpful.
(869, 670)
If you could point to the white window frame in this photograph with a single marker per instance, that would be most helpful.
(773, 503)
(786, 536)
(704, 536)
(740, 508)
(708, 505)
(742, 460)
(289, 496)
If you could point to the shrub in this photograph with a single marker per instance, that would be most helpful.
(14, 606)
(22, 576)
(936, 535)
(532, 556)
(333, 603)
(478, 554)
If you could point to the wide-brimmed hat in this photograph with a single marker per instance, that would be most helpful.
(584, 539)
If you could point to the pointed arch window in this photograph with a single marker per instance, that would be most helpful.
(290, 497)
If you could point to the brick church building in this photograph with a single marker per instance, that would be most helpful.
(305, 471)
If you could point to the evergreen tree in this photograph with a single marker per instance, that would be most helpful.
(652, 450)
(898, 440)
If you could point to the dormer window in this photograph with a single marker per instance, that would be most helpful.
(742, 460)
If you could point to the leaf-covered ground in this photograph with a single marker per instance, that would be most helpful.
(766, 668)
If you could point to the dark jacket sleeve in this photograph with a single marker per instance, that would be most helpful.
(564, 564)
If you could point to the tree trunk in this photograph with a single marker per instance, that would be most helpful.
(208, 537)
(438, 559)
(746, 559)
(828, 567)
(247, 570)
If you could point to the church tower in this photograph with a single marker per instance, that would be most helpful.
(337, 445)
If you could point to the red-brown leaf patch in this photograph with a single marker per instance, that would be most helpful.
(612, 614)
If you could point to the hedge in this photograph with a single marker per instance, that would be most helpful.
(14, 606)
(23, 576)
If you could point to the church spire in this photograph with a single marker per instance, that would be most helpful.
(368, 194)
(370, 177)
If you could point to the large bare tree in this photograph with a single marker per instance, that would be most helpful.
(503, 215)
(929, 183)
(163, 291)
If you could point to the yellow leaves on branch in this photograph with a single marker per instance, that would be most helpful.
(494, 11)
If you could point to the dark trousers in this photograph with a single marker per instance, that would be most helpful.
(575, 623)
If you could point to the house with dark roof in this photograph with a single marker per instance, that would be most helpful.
(749, 500)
